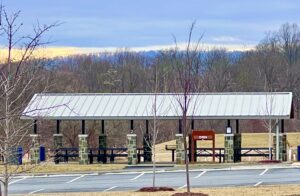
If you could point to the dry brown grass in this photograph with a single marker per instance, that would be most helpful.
(248, 140)
(66, 168)
(257, 140)
(279, 190)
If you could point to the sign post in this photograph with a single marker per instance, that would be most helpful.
(201, 135)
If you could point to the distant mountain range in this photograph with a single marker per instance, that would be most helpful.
(112, 56)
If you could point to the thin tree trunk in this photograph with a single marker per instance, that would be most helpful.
(7, 138)
(154, 164)
(270, 139)
(5, 187)
(155, 131)
(154, 135)
(1, 188)
(185, 154)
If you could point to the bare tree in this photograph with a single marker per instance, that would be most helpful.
(269, 123)
(20, 76)
(217, 75)
(156, 110)
(187, 82)
(282, 62)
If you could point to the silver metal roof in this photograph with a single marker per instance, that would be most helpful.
(78, 106)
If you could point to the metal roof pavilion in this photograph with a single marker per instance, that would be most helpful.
(134, 106)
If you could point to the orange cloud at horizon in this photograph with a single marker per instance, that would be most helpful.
(54, 52)
(48, 53)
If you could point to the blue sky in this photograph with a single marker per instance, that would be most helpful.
(140, 23)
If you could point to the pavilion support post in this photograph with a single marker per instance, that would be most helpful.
(237, 126)
(277, 141)
(228, 123)
(57, 142)
(83, 149)
(83, 145)
(180, 155)
(232, 145)
(237, 143)
(83, 127)
(35, 127)
(35, 149)
(35, 146)
(103, 141)
(229, 148)
(58, 137)
(280, 142)
(131, 149)
(192, 124)
(180, 126)
(102, 136)
(147, 144)
(232, 150)
(131, 126)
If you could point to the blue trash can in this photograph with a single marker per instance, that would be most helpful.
(298, 153)
(42, 153)
(20, 155)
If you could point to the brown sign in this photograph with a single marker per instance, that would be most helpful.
(203, 135)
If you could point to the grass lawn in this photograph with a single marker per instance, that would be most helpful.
(287, 190)
(248, 140)
(65, 168)
(255, 140)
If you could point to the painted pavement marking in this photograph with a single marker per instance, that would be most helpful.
(32, 192)
(265, 171)
(201, 174)
(257, 184)
(138, 176)
(75, 179)
(113, 187)
(17, 180)
(182, 186)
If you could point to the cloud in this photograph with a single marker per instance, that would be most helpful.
(226, 39)
(180, 46)
(202, 46)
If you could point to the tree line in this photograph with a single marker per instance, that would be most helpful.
(272, 66)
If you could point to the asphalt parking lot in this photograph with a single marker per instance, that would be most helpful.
(124, 181)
